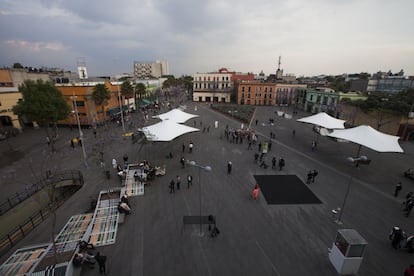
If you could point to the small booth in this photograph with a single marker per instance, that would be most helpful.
(347, 251)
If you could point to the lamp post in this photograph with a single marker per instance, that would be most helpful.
(120, 108)
(207, 169)
(355, 163)
(79, 127)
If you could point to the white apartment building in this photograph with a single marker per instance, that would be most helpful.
(150, 69)
(212, 87)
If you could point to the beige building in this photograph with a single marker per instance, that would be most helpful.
(150, 69)
(10, 79)
(212, 87)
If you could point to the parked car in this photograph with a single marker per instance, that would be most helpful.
(409, 173)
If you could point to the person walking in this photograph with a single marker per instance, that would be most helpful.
(410, 205)
(260, 146)
(309, 177)
(313, 145)
(229, 167)
(273, 163)
(72, 143)
(189, 181)
(255, 193)
(178, 182)
(281, 163)
(256, 157)
(314, 174)
(94, 132)
(293, 132)
(398, 188)
(182, 161)
(269, 146)
(190, 147)
(101, 260)
(183, 147)
(172, 187)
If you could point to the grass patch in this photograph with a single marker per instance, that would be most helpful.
(242, 113)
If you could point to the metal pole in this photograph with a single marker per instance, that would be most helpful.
(199, 183)
(80, 130)
(120, 108)
(346, 194)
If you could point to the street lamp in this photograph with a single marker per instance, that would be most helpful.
(207, 169)
(79, 127)
(120, 108)
(355, 163)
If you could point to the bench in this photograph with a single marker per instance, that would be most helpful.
(210, 220)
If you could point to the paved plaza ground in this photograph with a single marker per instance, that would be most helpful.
(255, 238)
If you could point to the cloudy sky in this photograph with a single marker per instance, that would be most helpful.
(312, 36)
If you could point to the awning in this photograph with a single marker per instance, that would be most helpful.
(115, 111)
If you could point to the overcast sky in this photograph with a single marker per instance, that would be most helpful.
(312, 36)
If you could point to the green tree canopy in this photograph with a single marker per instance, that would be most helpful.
(127, 90)
(42, 102)
(17, 65)
(100, 95)
(140, 89)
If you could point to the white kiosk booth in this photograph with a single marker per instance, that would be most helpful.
(347, 251)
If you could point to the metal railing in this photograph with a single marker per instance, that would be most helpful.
(14, 200)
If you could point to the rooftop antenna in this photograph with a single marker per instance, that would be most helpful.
(278, 63)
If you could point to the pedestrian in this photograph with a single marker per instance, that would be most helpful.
(396, 237)
(409, 271)
(208, 129)
(190, 147)
(313, 145)
(249, 147)
(101, 260)
(273, 163)
(269, 146)
(255, 192)
(178, 182)
(229, 166)
(94, 132)
(398, 188)
(256, 157)
(125, 158)
(314, 174)
(182, 161)
(183, 147)
(260, 146)
(281, 163)
(293, 132)
(172, 187)
(72, 143)
(309, 177)
(409, 206)
(261, 156)
(79, 142)
(189, 181)
(257, 122)
(48, 140)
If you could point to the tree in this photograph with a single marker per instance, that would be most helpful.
(42, 103)
(140, 89)
(17, 65)
(127, 90)
(101, 95)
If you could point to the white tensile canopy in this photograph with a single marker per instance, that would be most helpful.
(176, 115)
(165, 131)
(323, 120)
(368, 137)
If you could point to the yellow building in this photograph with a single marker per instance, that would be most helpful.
(89, 113)
(9, 96)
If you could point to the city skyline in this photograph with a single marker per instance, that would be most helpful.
(313, 38)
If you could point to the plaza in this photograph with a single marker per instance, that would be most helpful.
(255, 238)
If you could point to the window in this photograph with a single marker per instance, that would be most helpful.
(242, 88)
(248, 89)
(311, 98)
(270, 89)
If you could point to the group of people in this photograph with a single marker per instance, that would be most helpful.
(86, 256)
(311, 176)
(123, 205)
(177, 183)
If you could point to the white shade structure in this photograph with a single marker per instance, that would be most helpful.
(176, 115)
(368, 137)
(323, 120)
(165, 131)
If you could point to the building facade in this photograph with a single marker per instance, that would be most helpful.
(267, 93)
(150, 69)
(212, 87)
(317, 100)
(390, 85)
(80, 94)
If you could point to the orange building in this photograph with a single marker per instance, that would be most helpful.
(267, 93)
(89, 113)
